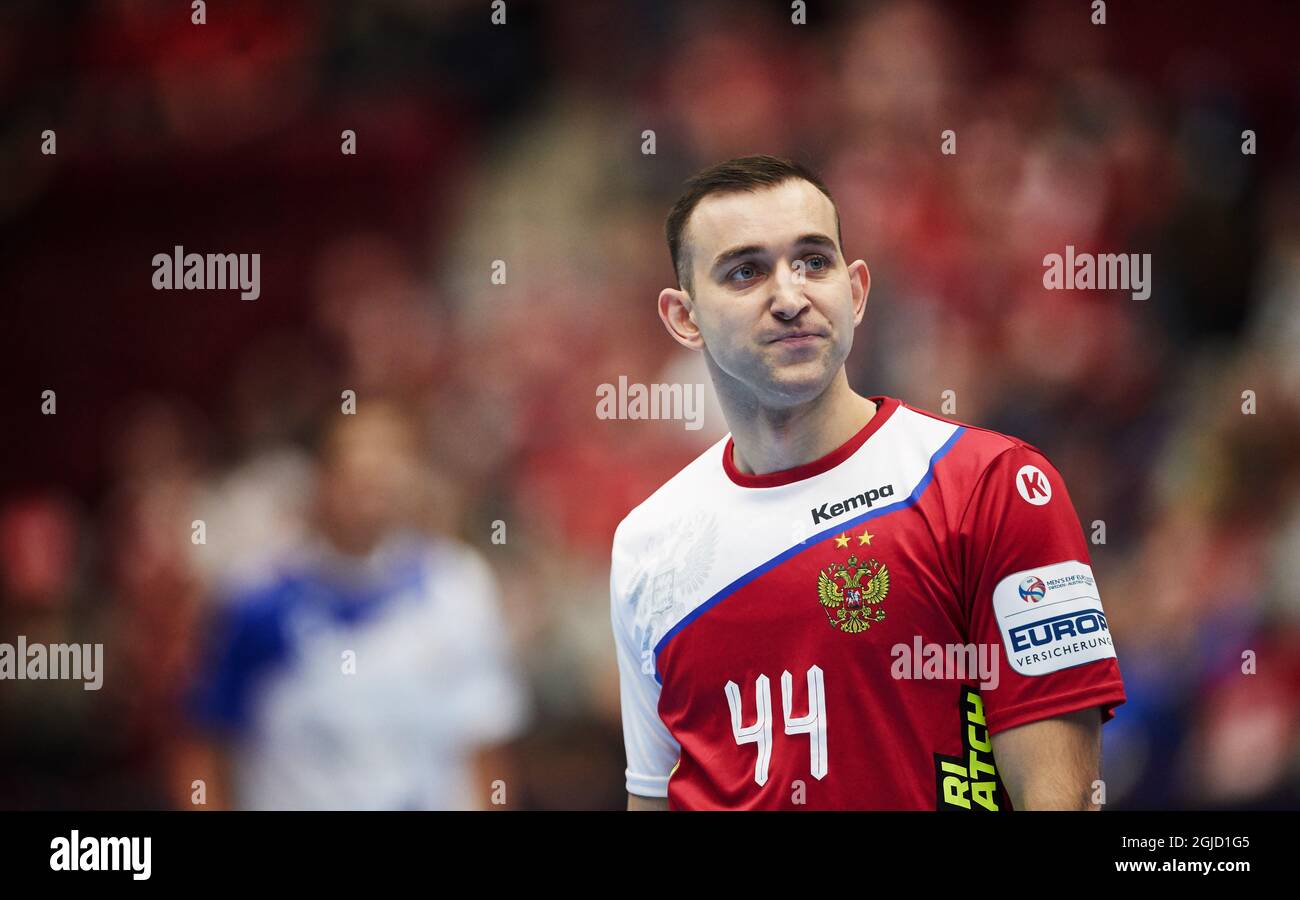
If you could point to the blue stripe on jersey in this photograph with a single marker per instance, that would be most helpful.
(909, 500)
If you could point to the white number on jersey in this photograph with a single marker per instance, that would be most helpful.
(760, 732)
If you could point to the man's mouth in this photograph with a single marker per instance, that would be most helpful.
(798, 338)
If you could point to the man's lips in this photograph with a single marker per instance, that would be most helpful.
(798, 337)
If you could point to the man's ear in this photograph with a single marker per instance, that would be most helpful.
(676, 311)
(860, 285)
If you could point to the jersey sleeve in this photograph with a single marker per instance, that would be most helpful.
(245, 640)
(652, 752)
(1029, 591)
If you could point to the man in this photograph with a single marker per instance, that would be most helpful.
(772, 600)
(372, 672)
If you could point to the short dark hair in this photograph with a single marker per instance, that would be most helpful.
(744, 173)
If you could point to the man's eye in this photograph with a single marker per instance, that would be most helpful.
(745, 268)
(826, 263)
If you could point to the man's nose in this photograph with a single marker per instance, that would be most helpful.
(788, 298)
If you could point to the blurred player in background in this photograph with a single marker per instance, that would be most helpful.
(761, 597)
(372, 672)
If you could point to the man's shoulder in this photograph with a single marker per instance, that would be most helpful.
(451, 558)
(974, 448)
(980, 464)
(692, 485)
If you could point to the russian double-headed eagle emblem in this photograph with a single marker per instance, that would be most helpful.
(850, 605)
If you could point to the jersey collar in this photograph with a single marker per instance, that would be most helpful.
(885, 407)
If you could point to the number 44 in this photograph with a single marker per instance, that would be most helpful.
(760, 732)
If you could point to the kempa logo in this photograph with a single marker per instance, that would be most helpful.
(828, 511)
(944, 662)
(1102, 272)
(655, 401)
(105, 854)
(57, 662)
(210, 272)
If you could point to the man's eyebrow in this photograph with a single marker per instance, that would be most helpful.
(815, 239)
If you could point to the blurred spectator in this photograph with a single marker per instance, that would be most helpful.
(373, 672)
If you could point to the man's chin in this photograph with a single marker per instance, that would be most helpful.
(775, 386)
(791, 387)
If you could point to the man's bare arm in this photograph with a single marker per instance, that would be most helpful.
(1052, 763)
(637, 803)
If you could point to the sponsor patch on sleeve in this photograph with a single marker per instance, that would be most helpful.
(1051, 618)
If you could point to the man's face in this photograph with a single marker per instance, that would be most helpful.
(774, 302)
(368, 475)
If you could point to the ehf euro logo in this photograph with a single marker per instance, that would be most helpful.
(1032, 589)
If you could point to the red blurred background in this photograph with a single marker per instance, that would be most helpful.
(523, 143)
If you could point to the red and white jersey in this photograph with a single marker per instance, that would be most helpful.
(848, 634)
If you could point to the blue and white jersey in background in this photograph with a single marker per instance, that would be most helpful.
(348, 683)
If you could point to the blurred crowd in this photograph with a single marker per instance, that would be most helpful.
(1176, 420)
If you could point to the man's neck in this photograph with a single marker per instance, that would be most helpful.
(773, 440)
